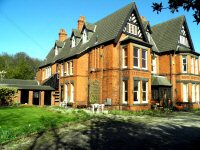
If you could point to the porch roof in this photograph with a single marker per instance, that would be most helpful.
(160, 81)
(25, 84)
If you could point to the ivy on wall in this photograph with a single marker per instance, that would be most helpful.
(94, 92)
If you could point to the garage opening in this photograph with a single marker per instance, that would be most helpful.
(47, 98)
(24, 96)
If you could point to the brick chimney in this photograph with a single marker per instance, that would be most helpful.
(81, 22)
(62, 35)
(143, 18)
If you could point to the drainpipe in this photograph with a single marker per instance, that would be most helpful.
(172, 94)
(102, 73)
(120, 76)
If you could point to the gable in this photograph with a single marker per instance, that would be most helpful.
(133, 27)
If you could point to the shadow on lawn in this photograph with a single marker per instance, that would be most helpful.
(115, 134)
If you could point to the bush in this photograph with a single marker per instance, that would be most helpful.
(6, 95)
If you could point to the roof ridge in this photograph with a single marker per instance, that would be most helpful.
(133, 3)
(173, 19)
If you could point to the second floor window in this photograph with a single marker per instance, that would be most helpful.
(72, 68)
(136, 57)
(125, 58)
(196, 67)
(192, 65)
(144, 59)
(153, 63)
(184, 62)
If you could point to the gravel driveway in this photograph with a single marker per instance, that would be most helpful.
(181, 130)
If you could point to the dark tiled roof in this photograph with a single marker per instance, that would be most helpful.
(24, 84)
(89, 26)
(18, 81)
(76, 32)
(106, 30)
(166, 34)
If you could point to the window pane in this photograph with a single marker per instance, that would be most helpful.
(143, 63)
(126, 96)
(144, 96)
(136, 85)
(144, 86)
(135, 96)
(144, 54)
(135, 52)
(136, 62)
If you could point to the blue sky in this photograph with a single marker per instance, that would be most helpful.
(32, 26)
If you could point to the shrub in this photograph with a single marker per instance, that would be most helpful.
(6, 95)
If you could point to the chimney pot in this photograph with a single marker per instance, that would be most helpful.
(81, 22)
(62, 35)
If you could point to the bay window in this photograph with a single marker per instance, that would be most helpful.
(144, 91)
(184, 63)
(144, 59)
(136, 91)
(185, 92)
(125, 92)
(125, 57)
(136, 57)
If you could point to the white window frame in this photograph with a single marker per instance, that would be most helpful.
(68, 68)
(66, 92)
(196, 66)
(145, 59)
(72, 93)
(71, 68)
(145, 92)
(184, 71)
(138, 92)
(85, 36)
(56, 51)
(125, 57)
(138, 57)
(73, 42)
(193, 93)
(132, 29)
(197, 93)
(192, 65)
(185, 92)
(62, 70)
(124, 91)
(154, 65)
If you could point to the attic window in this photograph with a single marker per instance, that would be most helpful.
(132, 29)
(183, 37)
(56, 51)
(85, 36)
(73, 42)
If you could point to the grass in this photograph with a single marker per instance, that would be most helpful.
(22, 121)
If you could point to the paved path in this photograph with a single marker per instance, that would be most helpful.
(180, 131)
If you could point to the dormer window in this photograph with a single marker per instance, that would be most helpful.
(85, 36)
(73, 42)
(56, 51)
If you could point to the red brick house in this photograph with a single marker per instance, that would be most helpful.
(123, 62)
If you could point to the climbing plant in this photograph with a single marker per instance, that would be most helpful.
(94, 91)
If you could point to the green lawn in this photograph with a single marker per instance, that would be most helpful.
(22, 121)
